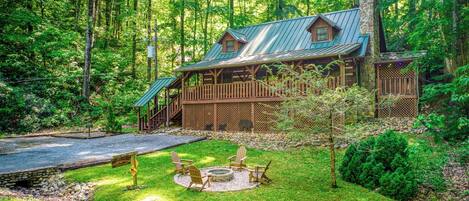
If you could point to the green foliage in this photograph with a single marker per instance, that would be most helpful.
(300, 174)
(450, 103)
(381, 163)
(112, 125)
(427, 162)
(400, 185)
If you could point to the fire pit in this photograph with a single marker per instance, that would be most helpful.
(220, 174)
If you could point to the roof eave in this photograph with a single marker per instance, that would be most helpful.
(256, 62)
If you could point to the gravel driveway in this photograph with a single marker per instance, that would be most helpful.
(17, 154)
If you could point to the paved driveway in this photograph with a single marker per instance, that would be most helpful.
(18, 154)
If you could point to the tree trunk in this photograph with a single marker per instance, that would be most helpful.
(77, 14)
(108, 11)
(194, 40)
(182, 32)
(149, 41)
(88, 48)
(307, 7)
(231, 13)
(156, 47)
(207, 14)
(134, 40)
(332, 152)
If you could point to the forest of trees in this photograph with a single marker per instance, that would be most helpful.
(66, 62)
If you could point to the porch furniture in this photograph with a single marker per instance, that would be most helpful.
(180, 164)
(257, 174)
(197, 178)
(238, 160)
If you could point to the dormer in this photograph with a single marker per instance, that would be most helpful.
(231, 41)
(322, 29)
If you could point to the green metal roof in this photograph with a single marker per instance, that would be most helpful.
(287, 40)
(154, 89)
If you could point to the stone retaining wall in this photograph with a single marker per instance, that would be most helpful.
(27, 178)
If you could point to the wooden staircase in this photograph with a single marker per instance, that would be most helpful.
(171, 112)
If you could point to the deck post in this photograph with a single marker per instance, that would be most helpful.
(215, 97)
(183, 98)
(139, 120)
(167, 107)
(148, 114)
(342, 73)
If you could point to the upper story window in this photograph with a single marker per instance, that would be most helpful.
(230, 46)
(322, 29)
(322, 34)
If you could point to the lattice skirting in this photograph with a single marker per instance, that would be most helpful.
(230, 116)
(405, 107)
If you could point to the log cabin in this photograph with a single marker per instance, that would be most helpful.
(222, 92)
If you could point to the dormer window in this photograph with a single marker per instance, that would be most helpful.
(230, 45)
(232, 41)
(322, 29)
(322, 33)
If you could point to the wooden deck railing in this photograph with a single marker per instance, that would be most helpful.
(242, 90)
(401, 86)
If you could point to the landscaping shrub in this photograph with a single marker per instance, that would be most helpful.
(381, 163)
(449, 103)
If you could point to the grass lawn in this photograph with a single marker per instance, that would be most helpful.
(297, 175)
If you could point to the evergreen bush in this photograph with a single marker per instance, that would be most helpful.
(381, 163)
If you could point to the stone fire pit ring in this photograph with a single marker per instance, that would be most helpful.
(220, 174)
(224, 179)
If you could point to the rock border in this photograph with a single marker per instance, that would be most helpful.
(243, 175)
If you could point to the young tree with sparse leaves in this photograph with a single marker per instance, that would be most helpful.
(316, 109)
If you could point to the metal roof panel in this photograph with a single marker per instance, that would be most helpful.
(283, 36)
(153, 90)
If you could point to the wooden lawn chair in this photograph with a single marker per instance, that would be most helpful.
(197, 178)
(258, 174)
(238, 160)
(180, 164)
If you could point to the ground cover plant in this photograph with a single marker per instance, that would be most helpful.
(297, 175)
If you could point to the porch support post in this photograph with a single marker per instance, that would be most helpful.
(183, 98)
(215, 97)
(167, 107)
(139, 120)
(148, 114)
(342, 73)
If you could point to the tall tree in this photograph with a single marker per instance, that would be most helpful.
(77, 14)
(230, 13)
(149, 40)
(182, 10)
(89, 36)
(156, 47)
(134, 39)
(207, 14)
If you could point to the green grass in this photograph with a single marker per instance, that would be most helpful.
(296, 174)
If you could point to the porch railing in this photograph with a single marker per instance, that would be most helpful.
(242, 90)
(402, 86)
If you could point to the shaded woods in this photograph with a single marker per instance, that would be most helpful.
(44, 70)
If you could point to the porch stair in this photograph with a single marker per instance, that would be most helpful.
(168, 113)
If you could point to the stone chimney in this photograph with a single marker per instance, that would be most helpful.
(369, 25)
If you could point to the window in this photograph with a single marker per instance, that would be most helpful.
(322, 34)
(230, 46)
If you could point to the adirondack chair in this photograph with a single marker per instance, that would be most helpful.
(180, 164)
(238, 160)
(197, 178)
(258, 174)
